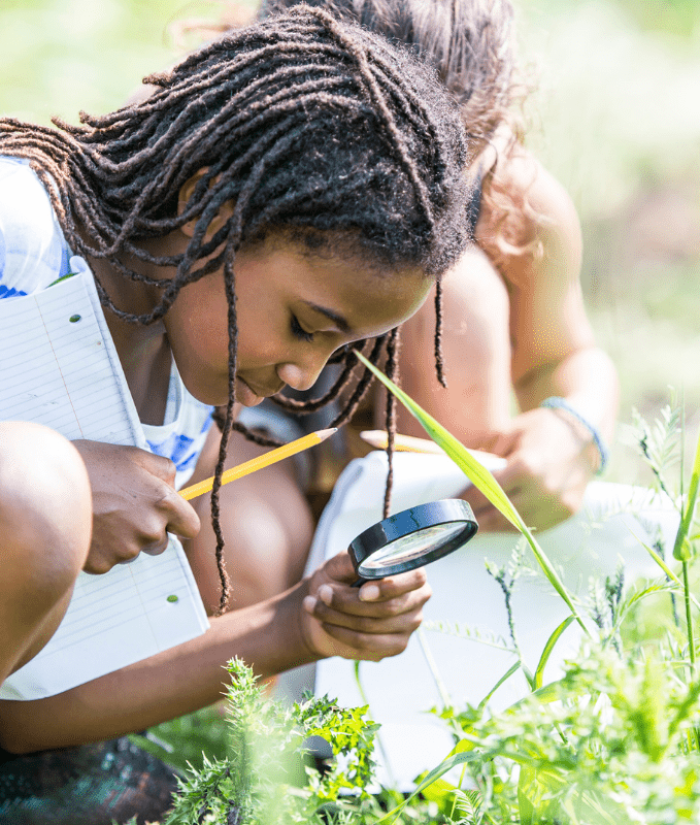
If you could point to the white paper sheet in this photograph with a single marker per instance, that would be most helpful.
(59, 367)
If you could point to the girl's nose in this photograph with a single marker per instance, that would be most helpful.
(301, 376)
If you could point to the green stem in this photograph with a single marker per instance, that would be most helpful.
(688, 618)
(437, 678)
(378, 737)
(432, 666)
(681, 549)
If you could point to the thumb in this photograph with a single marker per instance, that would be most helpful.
(501, 443)
(340, 568)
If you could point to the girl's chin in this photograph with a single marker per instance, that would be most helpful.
(246, 396)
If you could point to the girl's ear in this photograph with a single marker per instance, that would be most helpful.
(185, 194)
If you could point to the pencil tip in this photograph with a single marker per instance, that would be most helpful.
(323, 434)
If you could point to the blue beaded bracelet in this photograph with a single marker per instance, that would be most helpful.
(556, 403)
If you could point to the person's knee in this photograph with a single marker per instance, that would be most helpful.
(267, 527)
(45, 528)
(477, 310)
(45, 504)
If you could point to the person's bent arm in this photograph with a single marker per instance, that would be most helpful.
(551, 454)
(322, 616)
(515, 321)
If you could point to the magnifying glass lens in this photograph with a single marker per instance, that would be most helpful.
(412, 538)
(413, 546)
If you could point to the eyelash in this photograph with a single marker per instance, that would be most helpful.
(299, 332)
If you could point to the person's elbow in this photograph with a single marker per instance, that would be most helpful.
(22, 730)
(16, 741)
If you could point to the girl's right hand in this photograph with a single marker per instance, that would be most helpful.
(134, 504)
(369, 622)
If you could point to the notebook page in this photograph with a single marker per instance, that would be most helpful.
(131, 417)
(59, 367)
(114, 620)
(63, 380)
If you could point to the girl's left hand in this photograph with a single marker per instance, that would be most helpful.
(550, 462)
(369, 622)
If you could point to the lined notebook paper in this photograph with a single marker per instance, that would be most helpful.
(59, 367)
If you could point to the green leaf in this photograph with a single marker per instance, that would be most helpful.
(480, 477)
(445, 766)
(546, 694)
(548, 648)
(529, 794)
(441, 792)
(503, 678)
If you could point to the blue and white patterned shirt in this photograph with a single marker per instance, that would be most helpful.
(33, 254)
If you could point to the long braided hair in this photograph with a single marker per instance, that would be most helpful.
(470, 45)
(314, 129)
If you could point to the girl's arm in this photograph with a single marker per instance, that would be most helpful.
(320, 617)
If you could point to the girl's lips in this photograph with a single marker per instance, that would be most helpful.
(245, 395)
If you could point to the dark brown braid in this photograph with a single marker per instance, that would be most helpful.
(392, 371)
(316, 131)
(439, 362)
(469, 43)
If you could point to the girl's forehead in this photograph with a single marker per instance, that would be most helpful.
(346, 291)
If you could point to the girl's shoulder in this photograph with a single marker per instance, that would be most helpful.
(507, 172)
(33, 251)
(525, 210)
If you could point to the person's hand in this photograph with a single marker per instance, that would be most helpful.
(134, 504)
(550, 462)
(370, 622)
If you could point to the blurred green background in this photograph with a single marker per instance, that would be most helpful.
(614, 114)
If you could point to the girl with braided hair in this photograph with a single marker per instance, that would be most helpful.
(513, 318)
(289, 190)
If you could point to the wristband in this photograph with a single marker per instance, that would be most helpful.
(556, 403)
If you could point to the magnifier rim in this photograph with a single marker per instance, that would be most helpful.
(402, 524)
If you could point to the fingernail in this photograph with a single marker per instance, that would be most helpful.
(325, 593)
(369, 593)
(309, 603)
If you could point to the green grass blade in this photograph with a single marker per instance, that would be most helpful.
(503, 679)
(481, 478)
(681, 550)
(548, 648)
(667, 570)
(436, 773)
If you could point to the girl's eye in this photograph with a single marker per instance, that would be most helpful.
(299, 332)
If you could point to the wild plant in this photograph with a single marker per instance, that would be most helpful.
(614, 741)
(617, 738)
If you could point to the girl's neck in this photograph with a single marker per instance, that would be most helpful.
(144, 351)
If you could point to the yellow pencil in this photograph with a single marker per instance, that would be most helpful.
(411, 444)
(255, 464)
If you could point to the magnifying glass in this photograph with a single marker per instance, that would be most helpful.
(412, 538)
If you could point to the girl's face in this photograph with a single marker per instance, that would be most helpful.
(294, 310)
